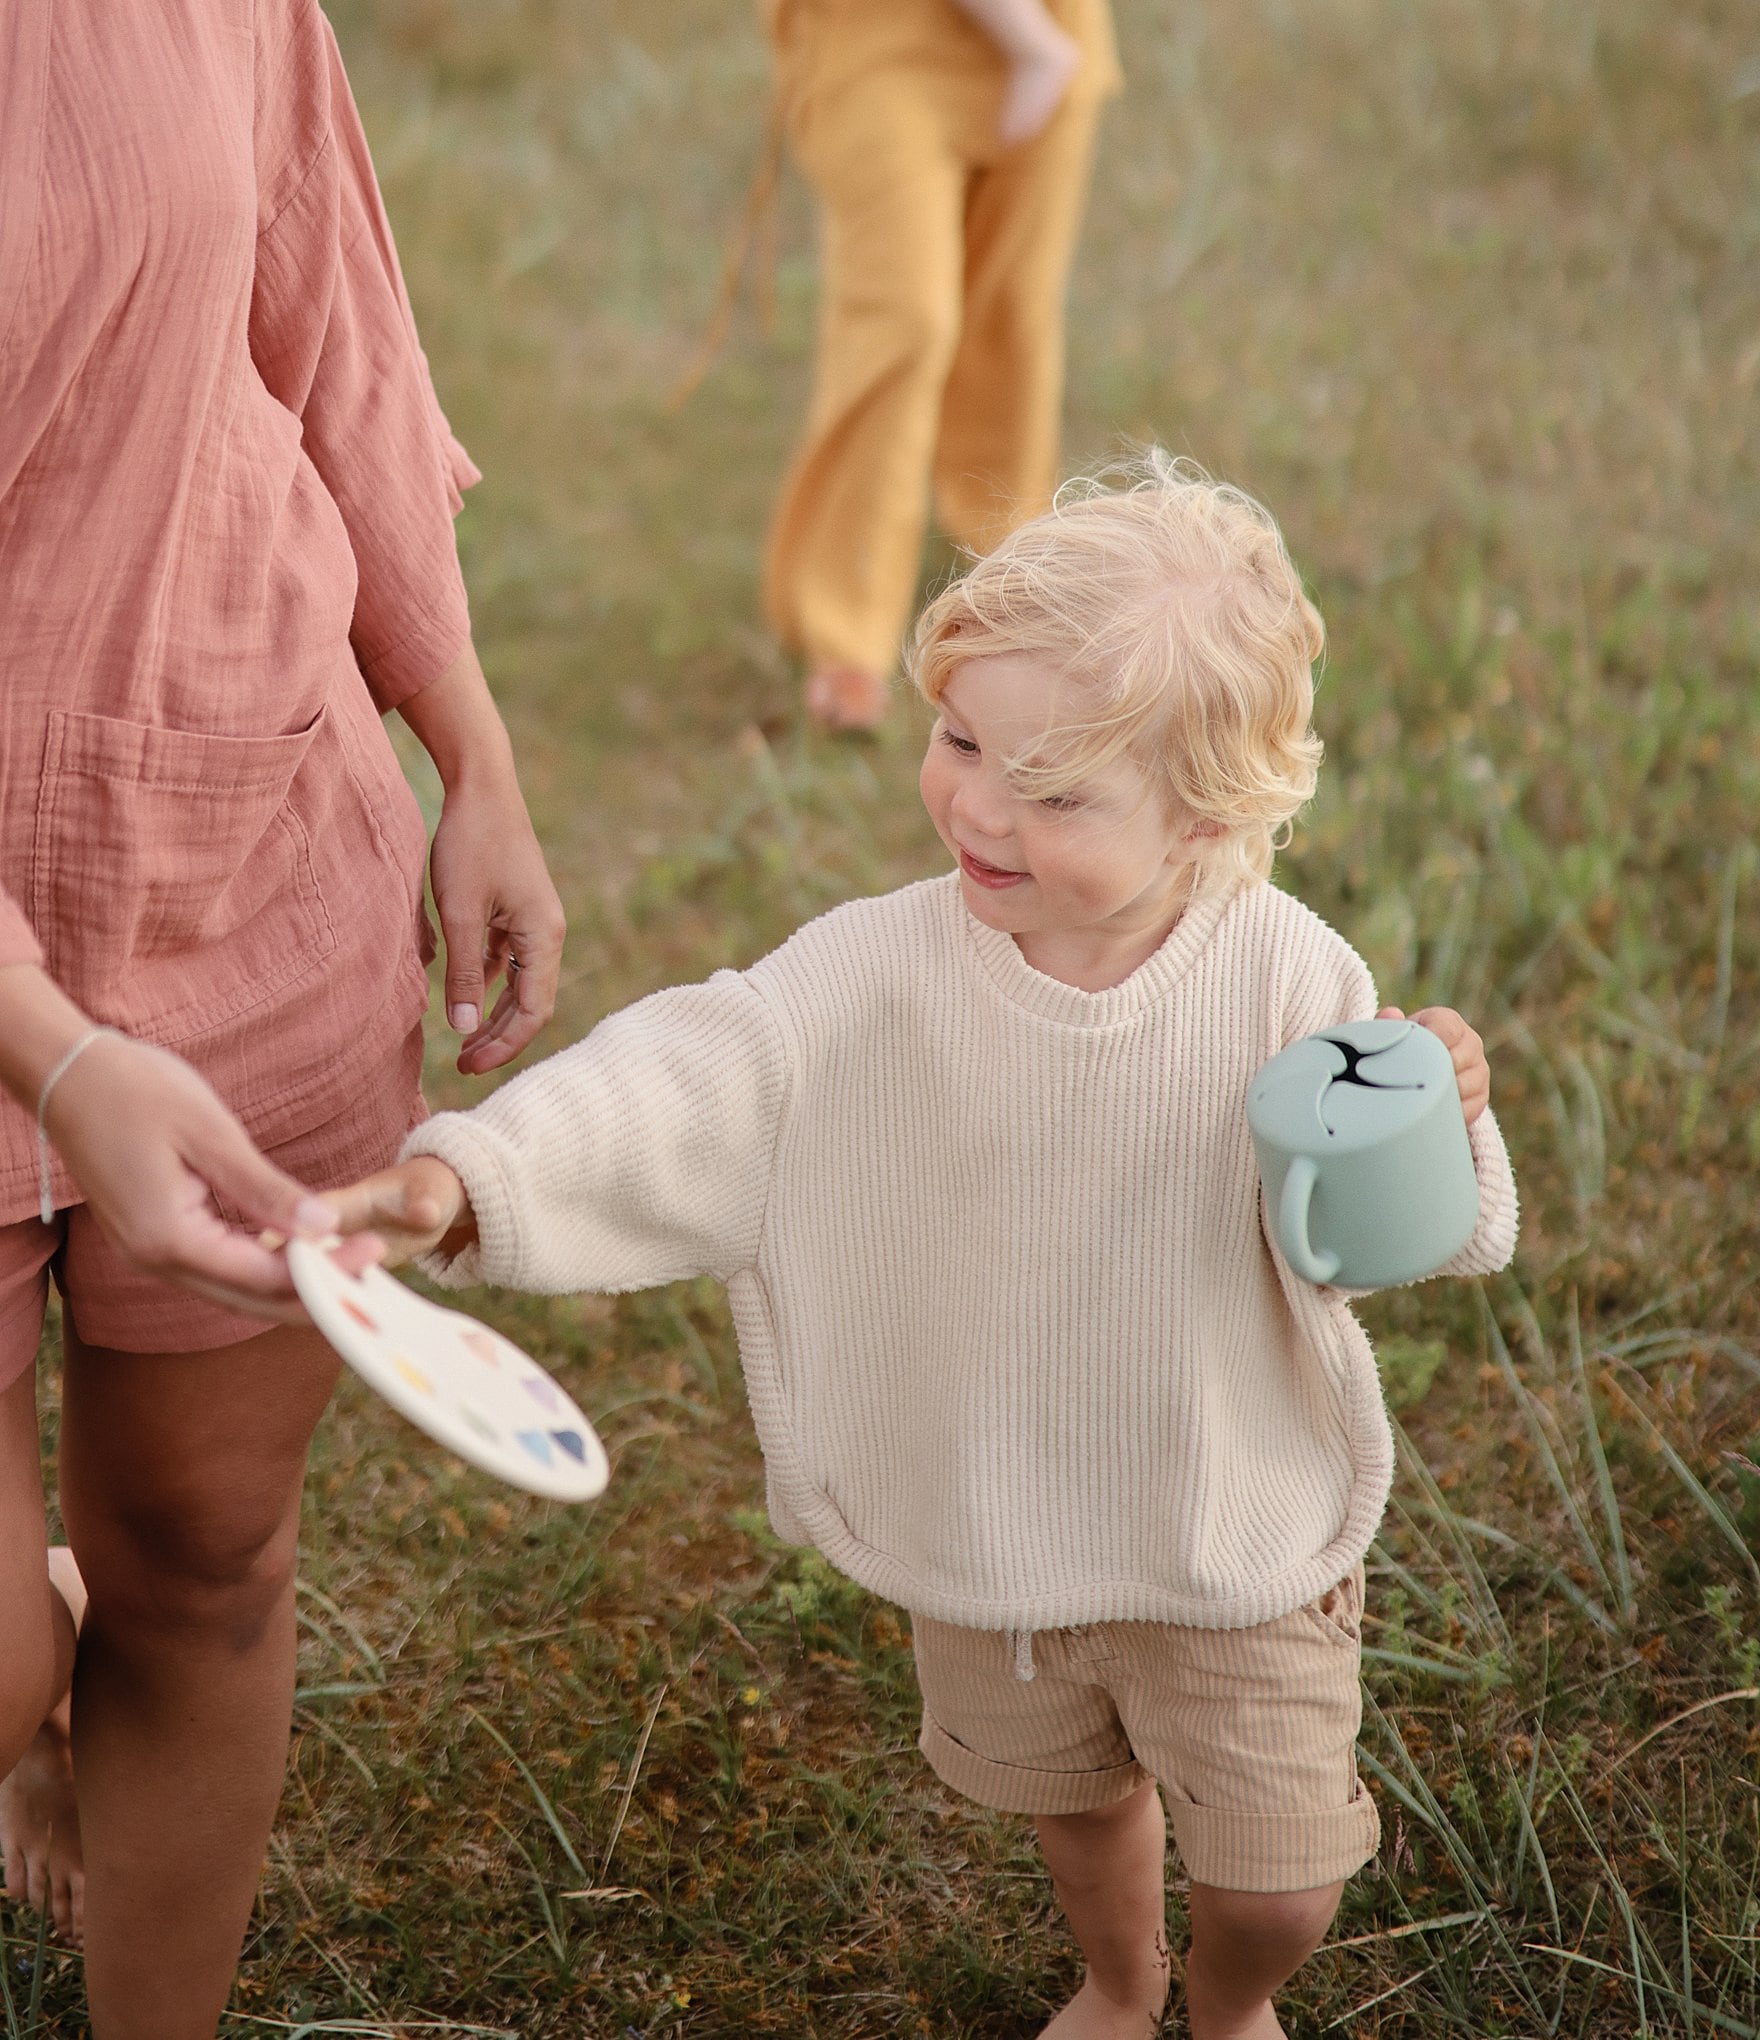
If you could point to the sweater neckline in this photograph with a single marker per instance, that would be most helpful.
(1050, 998)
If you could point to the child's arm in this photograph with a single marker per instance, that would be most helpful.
(639, 1156)
(1042, 62)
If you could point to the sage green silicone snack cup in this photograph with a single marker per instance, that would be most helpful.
(1364, 1153)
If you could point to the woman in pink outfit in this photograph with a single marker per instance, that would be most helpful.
(226, 550)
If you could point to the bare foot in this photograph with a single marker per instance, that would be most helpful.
(39, 1830)
(1037, 84)
(39, 1820)
(1089, 2015)
(846, 698)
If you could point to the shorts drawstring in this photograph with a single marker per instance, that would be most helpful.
(1022, 1639)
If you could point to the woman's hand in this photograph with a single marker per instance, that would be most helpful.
(408, 1210)
(498, 910)
(1466, 1051)
(498, 913)
(155, 1153)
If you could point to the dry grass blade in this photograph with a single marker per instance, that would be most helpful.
(1440, 1924)
(298, 2029)
(1381, 1997)
(1686, 1714)
(629, 1784)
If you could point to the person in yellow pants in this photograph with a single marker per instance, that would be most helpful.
(945, 256)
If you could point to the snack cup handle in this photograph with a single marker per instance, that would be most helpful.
(1292, 1223)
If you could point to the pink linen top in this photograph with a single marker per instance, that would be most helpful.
(226, 549)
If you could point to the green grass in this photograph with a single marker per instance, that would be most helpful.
(1467, 295)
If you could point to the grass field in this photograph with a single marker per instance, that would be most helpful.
(1467, 294)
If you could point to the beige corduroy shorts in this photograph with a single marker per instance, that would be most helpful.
(1250, 1733)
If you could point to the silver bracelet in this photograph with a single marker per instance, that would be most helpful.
(46, 1204)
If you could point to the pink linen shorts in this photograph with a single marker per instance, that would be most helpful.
(112, 1303)
(1250, 1733)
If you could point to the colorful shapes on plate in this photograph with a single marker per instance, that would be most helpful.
(488, 1432)
(573, 1444)
(408, 1371)
(538, 1445)
(360, 1317)
(541, 1389)
(483, 1346)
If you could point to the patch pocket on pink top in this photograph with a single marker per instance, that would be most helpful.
(171, 880)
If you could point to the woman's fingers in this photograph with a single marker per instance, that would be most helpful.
(240, 1175)
(158, 1157)
(498, 910)
(523, 1010)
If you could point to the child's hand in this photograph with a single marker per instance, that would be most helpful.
(1472, 1071)
(410, 1209)
(1038, 84)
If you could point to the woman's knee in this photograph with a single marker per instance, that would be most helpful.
(221, 1568)
(181, 1477)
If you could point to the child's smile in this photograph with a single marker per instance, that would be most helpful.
(1088, 880)
(992, 876)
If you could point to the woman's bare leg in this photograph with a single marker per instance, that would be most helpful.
(180, 1489)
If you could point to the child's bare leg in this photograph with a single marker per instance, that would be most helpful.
(1245, 1946)
(39, 1817)
(1109, 1869)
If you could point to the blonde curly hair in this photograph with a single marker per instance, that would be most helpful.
(1173, 599)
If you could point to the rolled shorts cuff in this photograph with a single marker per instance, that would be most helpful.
(1014, 1788)
(1237, 1851)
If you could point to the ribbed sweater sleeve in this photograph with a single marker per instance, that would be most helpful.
(1493, 1240)
(641, 1155)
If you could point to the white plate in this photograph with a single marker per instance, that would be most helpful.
(453, 1377)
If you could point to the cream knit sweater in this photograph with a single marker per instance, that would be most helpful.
(1018, 1349)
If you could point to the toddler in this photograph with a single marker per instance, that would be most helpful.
(972, 1159)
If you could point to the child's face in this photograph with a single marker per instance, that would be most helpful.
(1107, 858)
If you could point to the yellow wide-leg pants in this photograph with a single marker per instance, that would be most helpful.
(939, 372)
